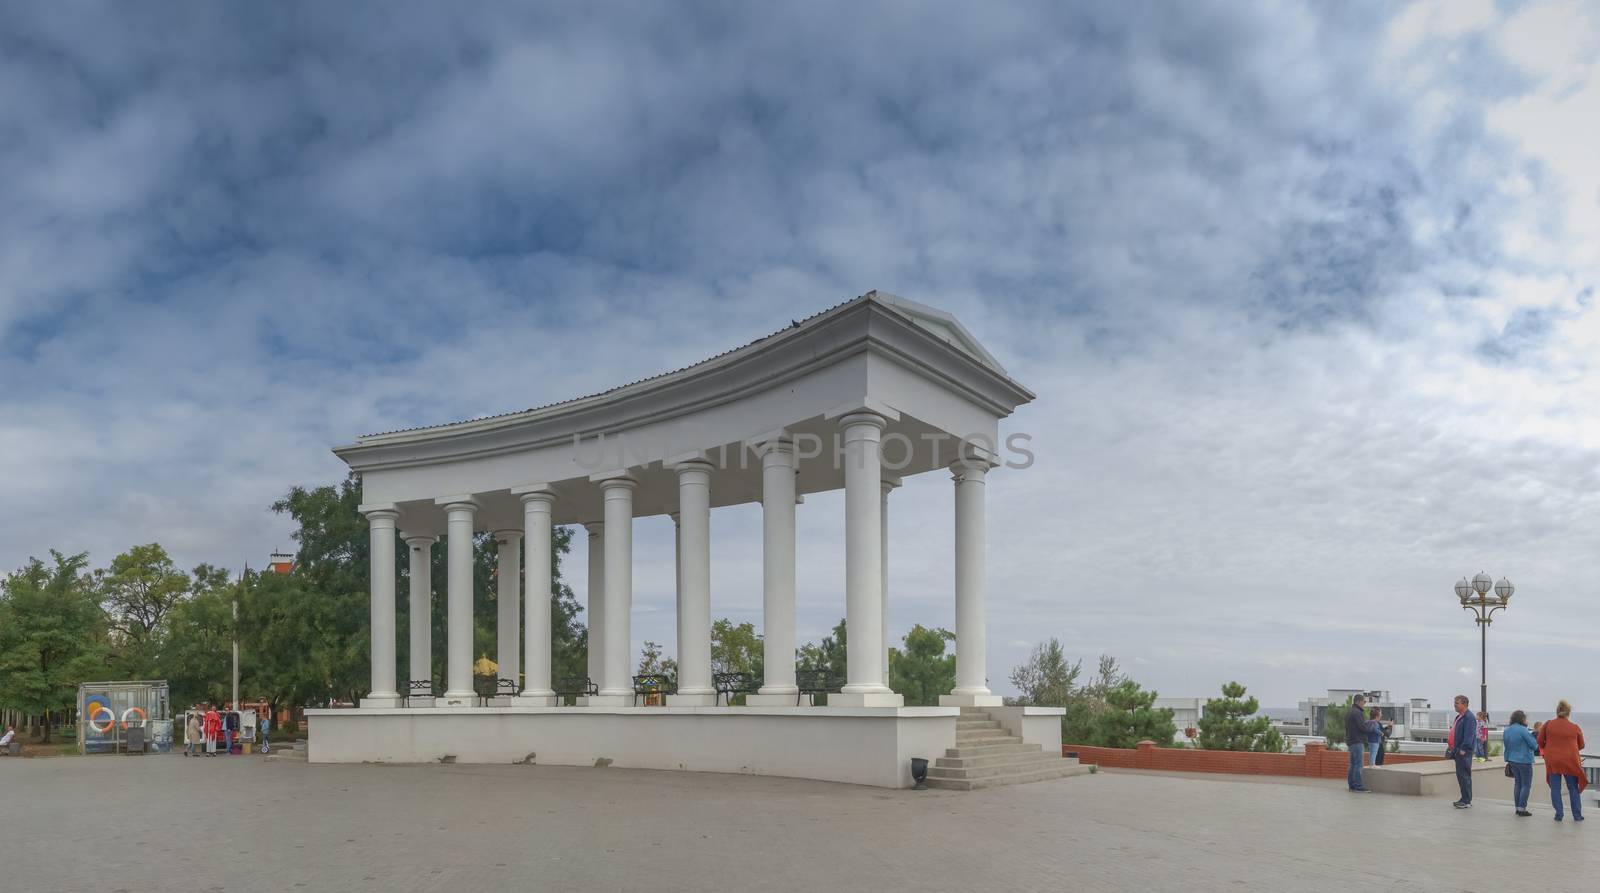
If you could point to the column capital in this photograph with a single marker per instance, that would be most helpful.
(379, 512)
(465, 502)
(595, 528)
(617, 483)
(698, 465)
(889, 483)
(864, 425)
(508, 535)
(777, 454)
(546, 498)
(418, 540)
(971, 468)
(534, 492)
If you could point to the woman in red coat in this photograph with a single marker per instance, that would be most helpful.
(213, 728)
(1561, 741)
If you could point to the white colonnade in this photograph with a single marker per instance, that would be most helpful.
(610, 573)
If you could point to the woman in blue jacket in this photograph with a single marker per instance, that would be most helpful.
(1520, 747)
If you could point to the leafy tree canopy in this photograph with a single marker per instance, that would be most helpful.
(922, 671)
(1230, 723)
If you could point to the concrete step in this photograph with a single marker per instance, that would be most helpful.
(1069, 770)
(994, 759)
(964, 723)
(295, 753)
(975, 711)
(984, 736)
(1038, 763)
(979, 750)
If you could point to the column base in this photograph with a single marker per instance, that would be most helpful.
(865, 699)
(705, 700)
(606, 701)
(457, 699)
(420, 703)
(776, 699)
(536, 699)
(971, 701)
(380, 701)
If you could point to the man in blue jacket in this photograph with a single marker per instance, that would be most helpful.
(1355, 738)
(1463, 742)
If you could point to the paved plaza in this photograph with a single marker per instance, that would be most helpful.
(244, 824)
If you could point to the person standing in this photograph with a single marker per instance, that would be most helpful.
(1520, 747)
(266, 725)
(1463, 743)
(191, 733)
(1482, 752)
(1377, 737)
(1562, 743)
(213, 729)
(1355, 737)
(230, 721)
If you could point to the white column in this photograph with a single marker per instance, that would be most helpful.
(889, 484)
(616, 682)
(459, 512)
(863, 564)
(972, 687)
(694, 585)
(597, 601)
(537, 506)
(777, 575)
(381, 521)
(508, 606)
(419, 549)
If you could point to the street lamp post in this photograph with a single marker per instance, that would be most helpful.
(1475, 597)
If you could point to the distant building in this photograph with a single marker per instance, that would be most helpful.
(1315, 710)
(280, 563)
(1186, 713)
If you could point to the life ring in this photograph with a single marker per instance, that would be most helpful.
(142, 717)
(94, 712)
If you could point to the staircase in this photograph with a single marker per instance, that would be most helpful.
(986, 756)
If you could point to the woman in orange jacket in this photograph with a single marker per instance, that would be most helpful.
(1561, 741)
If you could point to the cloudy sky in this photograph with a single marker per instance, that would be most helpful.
(1307, 291)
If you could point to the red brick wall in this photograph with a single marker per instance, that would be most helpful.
(1316, 762)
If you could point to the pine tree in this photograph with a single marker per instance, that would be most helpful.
(1230, 723)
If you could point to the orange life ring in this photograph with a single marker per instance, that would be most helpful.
(94, 713)
(142, 717)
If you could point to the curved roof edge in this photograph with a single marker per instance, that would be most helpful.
(937, 323)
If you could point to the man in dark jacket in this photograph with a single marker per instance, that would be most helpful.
(1463, 742)
(1355, 737)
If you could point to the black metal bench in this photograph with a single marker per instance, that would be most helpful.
(499, 688)
(574, 687)
(419, 688)
(815, 682)
(651, 684)
(730, 684)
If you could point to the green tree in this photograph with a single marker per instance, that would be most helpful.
(330, 606)
(1230, 723)
(1046, 679)
(922, 672)
(830, 654)
(138, 592)
(1130, 716)
(52, 635)
(736, 649)
(196, 655)
(652, 663)
(1333, 722)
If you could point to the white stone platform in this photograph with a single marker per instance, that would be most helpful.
(1437, 778)
(855, 745)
